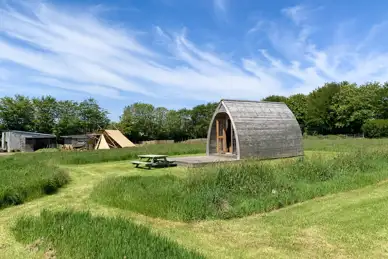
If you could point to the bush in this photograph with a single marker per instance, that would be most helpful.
(238, 190)
(79, 235)
(376, 129)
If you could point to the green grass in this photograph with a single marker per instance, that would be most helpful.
(27, 176)
(23, 178)
(230, 191)
(99, 156)
(348, 224)
(79, 235)
(343, 144)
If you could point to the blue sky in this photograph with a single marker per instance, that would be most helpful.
(180, 53)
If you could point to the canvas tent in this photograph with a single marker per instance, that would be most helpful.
(113, 139)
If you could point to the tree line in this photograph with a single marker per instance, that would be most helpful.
(334, 108)
(48, 115)
(338, 107)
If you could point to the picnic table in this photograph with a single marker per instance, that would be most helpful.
(153, 161)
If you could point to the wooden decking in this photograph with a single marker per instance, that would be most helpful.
(195, 161)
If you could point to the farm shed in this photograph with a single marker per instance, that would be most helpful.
(87, 141)
(264, 130)
(24, 141)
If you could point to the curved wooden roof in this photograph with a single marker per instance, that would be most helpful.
(262, 129)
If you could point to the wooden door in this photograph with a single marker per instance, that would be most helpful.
(221, 136)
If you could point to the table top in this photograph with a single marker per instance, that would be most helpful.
(152, 156)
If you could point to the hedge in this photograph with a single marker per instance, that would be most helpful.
(375, 129)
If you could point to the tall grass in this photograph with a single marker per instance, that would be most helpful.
(25, 178)
(30, 175)
(98, 156)
(79, 235)
(238, 190)
(336, 144)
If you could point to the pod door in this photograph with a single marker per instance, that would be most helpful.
(226, 142)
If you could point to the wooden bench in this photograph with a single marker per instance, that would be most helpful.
(154, 161)
(147, 164)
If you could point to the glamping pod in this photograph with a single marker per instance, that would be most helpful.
(263, 130)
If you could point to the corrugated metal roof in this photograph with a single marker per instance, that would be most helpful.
(31, 134)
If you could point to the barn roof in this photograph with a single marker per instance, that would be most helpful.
(29, 134)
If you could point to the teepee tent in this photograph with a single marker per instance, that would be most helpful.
(113, 139)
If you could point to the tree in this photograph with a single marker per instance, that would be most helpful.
(201, 116)
(45, 114)
(382, 102)
(320, 118)
(160, 130)
(353, 106)
(92, 116)
(138, 121)
(298, 105)
(17, 113)
(275, 98)
(173, 125)
(68, 121)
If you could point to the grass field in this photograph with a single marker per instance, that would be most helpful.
(344, 224)
(24, 178)
(31, 175)
(80, 235)
(229, 191)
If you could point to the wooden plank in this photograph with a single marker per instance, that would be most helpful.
(231, 138)
(224, 139)
(218, 135)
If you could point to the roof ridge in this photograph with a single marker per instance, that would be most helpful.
(250, 101)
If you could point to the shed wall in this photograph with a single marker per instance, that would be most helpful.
(3, 141)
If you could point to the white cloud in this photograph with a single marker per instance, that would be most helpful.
(80, 52)
(295, 13)
(220, 8)
(311, 66)
(83, 52)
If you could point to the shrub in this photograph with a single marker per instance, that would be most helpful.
(237, 190)
(376, 129)
(79, 235)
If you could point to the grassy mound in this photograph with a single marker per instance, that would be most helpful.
(30, 175)
(79, 235)
(25, 178)
(238, 190)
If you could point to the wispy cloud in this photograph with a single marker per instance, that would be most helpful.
(306, 66)
(296, 13)
(220, 8)
(80, 52)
